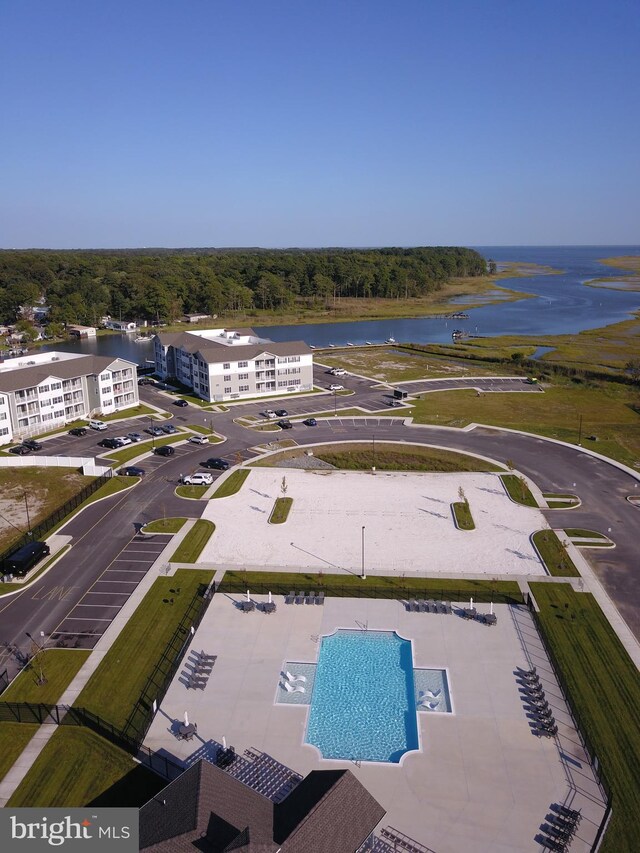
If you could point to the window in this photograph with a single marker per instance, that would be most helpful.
(4, 431)
(226, 365)
(244, 388)
(227, 390)
(105, 377)
(3, 416)
(227, 378)
(44, 389)
(243, 376)
(55, 400)
(106, 389)
(243, 364)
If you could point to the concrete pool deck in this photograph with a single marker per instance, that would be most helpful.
(482, 781)
(407, 516)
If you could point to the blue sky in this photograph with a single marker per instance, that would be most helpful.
(352, 123)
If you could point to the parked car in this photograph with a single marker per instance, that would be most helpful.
(135, 436)
(168, 429)
(220, 464)
(394, 403)
(181, 403)
(282, 413)
(198, 439)
(144, 380)
(112, 443)
(100, 425)
(25, 558)
(200, 478)
(122, 440)
(336, 387)
(154, 430)
(78, 431)
(269, 413)
(164, 450)
(132, 471)
(285, 424)
(32, 444)
(310, 422)
(20, 450)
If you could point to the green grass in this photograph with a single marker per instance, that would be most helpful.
(399, 457)
(579, 532)
(202, 430)
(13, 739)
(59, 667)
(605, 686)
(375, 586)
(125, 414)
(232, 484)
(139, 647)
(554, 555)
(6, 588)
(164, 525)
(462, 512)
(191, 546)
(138, 448)
(554, 496)
(78, 767)
(518, 490)
(280, 511)
(192, 492)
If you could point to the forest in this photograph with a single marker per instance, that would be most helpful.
(161, 285)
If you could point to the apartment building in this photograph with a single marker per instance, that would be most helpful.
(42, 391)
(224, 364)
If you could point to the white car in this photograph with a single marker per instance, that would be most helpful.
(200, 478)
(98, 425)
(270, 414)
(122, 440)
(198, 439)
(336, 387)
(338, 371)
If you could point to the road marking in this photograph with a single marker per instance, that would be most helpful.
(83, 619)
(97, 605)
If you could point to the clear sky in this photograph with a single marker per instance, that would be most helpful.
(319, 122)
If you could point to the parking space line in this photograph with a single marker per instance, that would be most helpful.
(118, 606)
(84, 619)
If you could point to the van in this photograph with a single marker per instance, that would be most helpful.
(25, 558)
(98, 425)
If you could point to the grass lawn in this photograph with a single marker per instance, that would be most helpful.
(580, 532)
(554, 555)
(375, 586)
(193, 492)
(139, 647)
(125, 414)
(13, 739)
(59, 666)
(138, 448)
(462, 512)
(191, 546)
(232, 484)
(164, 525)
(388, 457)
(604, 683)
(202, 430)
(280, 511)
(78, 767)
(518, 490)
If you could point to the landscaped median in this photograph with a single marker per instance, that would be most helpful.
(554, 554)
(232, 484)
(164, 525)
(280, 511)
(139, 448)
(518, 490)
(462, 515)
(604, 685)
(191, 546)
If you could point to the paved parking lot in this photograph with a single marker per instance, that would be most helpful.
(94, 612)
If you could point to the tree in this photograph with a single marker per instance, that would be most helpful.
(462, 496)
(284, 487)
(633, 369)
(27, 330)
(492, 268)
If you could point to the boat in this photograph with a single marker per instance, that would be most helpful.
(460, 315)
(368, 343)
(349, 344)
(390, 340)
(332, 345)
(142, 339)
(457, 334)
(311, 346)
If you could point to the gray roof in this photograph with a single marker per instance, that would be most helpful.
(207, 809)
(28, 377)
(214, 352)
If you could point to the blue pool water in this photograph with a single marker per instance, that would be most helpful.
(363, 705)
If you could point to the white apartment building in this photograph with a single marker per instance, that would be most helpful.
(41, 391)
(223, 364)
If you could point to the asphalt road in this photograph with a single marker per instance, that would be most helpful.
(105, 534)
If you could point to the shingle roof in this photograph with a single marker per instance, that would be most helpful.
(214, 352)
(28, 377)
(207, 809)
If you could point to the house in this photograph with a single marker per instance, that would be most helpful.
(195, 318)
(45, 390)
(82, 331)
(120, 325)
(207, 809)
(225, 364)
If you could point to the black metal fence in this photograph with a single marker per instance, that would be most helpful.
(4, 681)
(40, 530)
(578, 719)
(374, 587)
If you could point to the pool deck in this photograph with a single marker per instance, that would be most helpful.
(483, 781)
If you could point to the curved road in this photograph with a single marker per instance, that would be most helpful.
(80, 594)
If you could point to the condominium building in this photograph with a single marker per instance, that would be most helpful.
(42, 391)
(223, 364)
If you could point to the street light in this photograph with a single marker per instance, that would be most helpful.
(335, 403)
(153, 438)
(373, 441)
(26, 505)
(363, 574)
(42, 679)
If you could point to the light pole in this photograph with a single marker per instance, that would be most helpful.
(373, 442)
(153, 438)
(42, 679)
(335, 403)
(363, 574)
(580, 432)
(26, 506)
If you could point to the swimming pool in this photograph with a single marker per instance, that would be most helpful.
(363, 705)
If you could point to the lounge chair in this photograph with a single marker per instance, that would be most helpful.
(288, 599)
(291, 688)
(299, 599)
(490, 618)
(320, 598)
(310, 599)
(433, 694)
(429, 704)
(422, 606)
(447, 606)
(206, 657)
(440, 607)
(412, 605)
(293, 678)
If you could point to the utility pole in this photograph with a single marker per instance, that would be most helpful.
(363, 574)
(26, 505)
(580, 432)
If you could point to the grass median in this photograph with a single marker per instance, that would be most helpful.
(518, 490)
(232, 484)
(191, 546)
(604, 684)
(462, 513)
(554, 554)
(280, 511)
(164, 525)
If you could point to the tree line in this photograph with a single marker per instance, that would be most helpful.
(161, 285)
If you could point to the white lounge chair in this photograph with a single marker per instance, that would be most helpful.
(294, 678)
(293, 688)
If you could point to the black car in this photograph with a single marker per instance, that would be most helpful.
(285, 424)
(282, 413)
(32, 444)
(214, 462)
(131, 471)
(144, 380)
(181, 403)
(310, 422)
(111, 443)
(164, 450)
(20, 450)
(78, 431)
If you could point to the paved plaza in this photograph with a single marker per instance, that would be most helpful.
(409, 525)
(482, 780)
